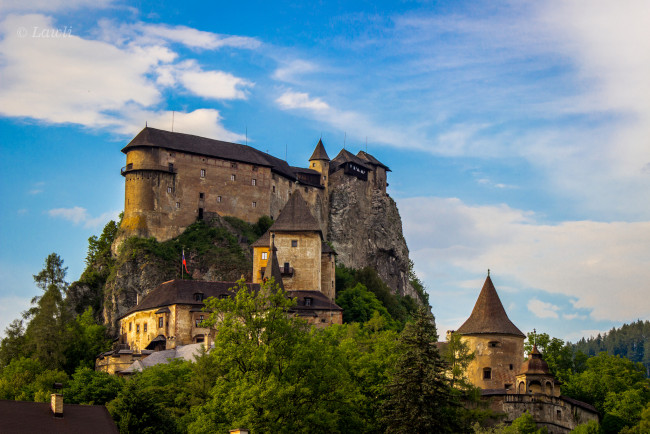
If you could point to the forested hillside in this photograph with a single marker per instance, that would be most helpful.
(630, 340)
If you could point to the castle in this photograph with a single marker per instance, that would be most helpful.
(171, 315)
(173, 179)
(508, 384)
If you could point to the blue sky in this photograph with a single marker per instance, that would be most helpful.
(518, 133)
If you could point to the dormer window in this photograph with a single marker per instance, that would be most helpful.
(308, 301)
(198, 296)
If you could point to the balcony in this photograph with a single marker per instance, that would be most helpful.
(147, 167)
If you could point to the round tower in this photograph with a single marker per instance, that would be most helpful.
(498, 344)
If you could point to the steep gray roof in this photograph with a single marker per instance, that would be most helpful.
(489, 316)
(345, 156)
(182, 292)
(273, 271)
(372, 160)
(185, 352)
(155, 138)
(319, 152)
(295, 217)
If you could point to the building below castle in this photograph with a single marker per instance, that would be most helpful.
(171, 316)
(510, 385)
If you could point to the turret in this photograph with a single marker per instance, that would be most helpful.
(497, 342)
(320, 162)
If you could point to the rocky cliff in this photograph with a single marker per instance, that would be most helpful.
(214, 251)
(365, 229)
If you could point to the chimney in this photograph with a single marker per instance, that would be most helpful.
(57, 404)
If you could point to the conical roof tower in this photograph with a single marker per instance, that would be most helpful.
(488, 315)
(319, 152)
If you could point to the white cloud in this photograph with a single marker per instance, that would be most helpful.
(585, 260)
(104, 84)
(201, 122)
(542, 309)
(291, 71)
(299, 100)
(194, 38)
(214, 84)
(78, 215)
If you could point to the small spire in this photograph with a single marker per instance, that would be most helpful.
(488, 272)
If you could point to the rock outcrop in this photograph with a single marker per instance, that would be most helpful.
(365, 229)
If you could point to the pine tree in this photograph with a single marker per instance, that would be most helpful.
(420, 398)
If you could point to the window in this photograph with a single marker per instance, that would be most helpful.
(559, 414)
(232, 177)
(144, 327)
(178, 204)
(137, 328)
(512, 366)
(306, 189)
(223, 296)
(202, 173)
(286, 267)
(274, 189)
(294, 243)
(254, 168)
(201, 195)
(233, 165)
(313, 164)
(308, 301)
(254, 181)
(494, 344)
(218, 198)
(198, 321)
(198, 296)
(265, 255)
(171, 167)
(254, 204)
(160, 322)
(169, 189)
(487, 373)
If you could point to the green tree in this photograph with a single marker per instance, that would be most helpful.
(46, 330)
(420, 398)
(359, 305)
(13, 344)
(85, 341)
(458, 356)
(591, 427)
(25, 379)
(138, 409)
(91, 387)
(275, 374)
(524, 424)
